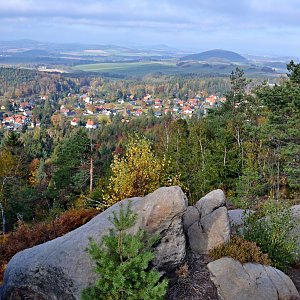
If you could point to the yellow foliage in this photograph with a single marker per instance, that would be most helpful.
(137, 173)
(8, 164)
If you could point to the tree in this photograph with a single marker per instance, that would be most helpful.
(122, 261)
(138, 172)
(10, 171)
(294, 71)
(71, 161)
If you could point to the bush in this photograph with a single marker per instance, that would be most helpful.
(122, 260)
(242, 250)
(28, 236)
(271, 230)
(138, 172)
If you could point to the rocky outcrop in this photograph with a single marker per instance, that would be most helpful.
(206, 223)
(296, 215)
(236, 281)
(61, 268)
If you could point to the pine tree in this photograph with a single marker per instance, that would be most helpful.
(122, 260)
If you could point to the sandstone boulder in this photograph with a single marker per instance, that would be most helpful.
(236, 217)
(296, 215)
(207, 223)
(61, 268)
(236, 281)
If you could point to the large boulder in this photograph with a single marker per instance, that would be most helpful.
(207, 223)
(249, 281)
(296, 215)
(61, 268)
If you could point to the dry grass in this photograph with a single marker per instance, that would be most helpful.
(28, 236)
(242, 250)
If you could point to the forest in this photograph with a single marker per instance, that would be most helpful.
(249, 147)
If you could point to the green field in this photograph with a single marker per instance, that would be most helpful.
(132, 68)
(165, 67)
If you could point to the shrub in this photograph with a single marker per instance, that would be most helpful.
(122, 260)
(242, 250)
(28, 236)
(138, 172)
(271, 230)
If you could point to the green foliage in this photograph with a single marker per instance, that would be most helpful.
(241, 250)
(122, 261)
(271, 230)
(69, 158)
(294, 70)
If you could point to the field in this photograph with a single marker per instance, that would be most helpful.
(169, 67)
(129, 68)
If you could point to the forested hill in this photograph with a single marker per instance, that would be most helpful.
(16, 82)
(216, 54)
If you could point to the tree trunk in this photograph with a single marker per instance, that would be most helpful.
(3, 218)
(91, 174)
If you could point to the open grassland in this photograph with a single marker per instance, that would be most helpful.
(166, 67)
(129, 68)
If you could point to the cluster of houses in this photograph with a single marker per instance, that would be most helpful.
(86, 111)
(18, 116)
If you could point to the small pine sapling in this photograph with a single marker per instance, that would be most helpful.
(122, 261)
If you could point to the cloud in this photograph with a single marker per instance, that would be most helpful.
(179, 22)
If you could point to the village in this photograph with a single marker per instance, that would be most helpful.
(83, 110)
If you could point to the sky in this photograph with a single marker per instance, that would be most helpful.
(246, 26)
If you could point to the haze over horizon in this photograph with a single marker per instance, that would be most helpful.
(250, 26)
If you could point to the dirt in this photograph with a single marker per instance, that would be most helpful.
(294, 274)
(191, 281)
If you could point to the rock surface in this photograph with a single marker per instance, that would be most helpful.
(296, 215)
(61, 268)
(236, 281)
(236, 219)
(207, 223)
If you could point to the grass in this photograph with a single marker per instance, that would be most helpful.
(126, 68)
(168, 67)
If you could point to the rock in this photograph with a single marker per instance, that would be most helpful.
(236, 281)
(296, 215)
(61, 268)
(236, 219)
(190, 216)
(211, 202)
(207, 223)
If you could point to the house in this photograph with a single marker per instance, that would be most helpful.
(147, 97)
(138, 112)
(90, 124)
(211, 100)
(187, 110)
(157, 103)
(158, 114)
(180, 103)
(90, 109)
(75, 121)
(193, 102)
(87, 99)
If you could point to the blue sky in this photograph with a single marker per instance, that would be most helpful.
(245, 26)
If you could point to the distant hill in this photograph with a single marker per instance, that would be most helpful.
(34, 52)
(216, 55)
